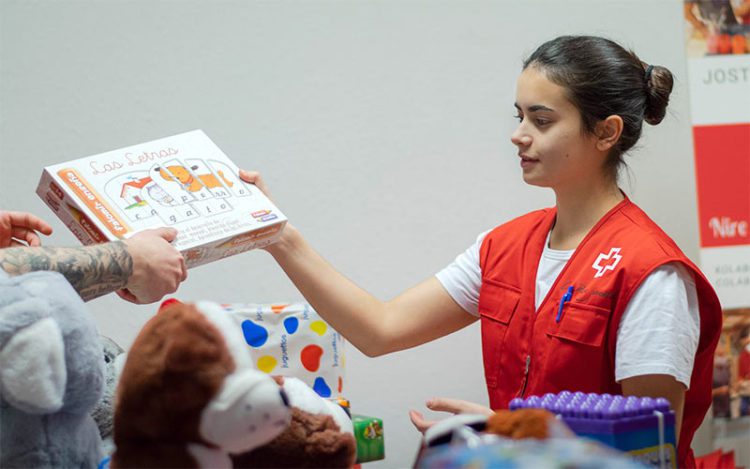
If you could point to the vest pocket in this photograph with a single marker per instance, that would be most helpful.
(574, 356)
(581, 323)
(497, 303)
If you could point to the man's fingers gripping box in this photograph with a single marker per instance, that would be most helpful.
(185, 182)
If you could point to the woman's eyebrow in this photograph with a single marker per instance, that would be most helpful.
(535, 107)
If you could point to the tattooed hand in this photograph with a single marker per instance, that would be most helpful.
(92, 270)
(20, 228)
(158, 268)
(142, 269)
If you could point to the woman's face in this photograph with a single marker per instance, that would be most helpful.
(554, 150)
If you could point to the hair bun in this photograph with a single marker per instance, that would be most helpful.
(659, 83)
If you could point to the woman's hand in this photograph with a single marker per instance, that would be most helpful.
(21, 229)
(254, 177)
(443, 404)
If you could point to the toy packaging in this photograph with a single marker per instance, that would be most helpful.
(492, 452)
(293, 340)
(368, 431)
(184, 181)
(521, 438)
(640, 426)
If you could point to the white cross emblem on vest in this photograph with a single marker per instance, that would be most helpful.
(610, 262)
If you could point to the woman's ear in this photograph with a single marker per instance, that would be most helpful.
(608, 132)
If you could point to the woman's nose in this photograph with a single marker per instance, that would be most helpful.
(520, 138)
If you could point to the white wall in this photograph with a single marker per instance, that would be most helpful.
(382, 127)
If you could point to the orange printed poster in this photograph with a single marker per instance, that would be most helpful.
(184, 181)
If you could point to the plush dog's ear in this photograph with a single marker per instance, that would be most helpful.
(192, 343)
(32, 368)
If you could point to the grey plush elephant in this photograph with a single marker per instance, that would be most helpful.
(103, 413)
(51, 374)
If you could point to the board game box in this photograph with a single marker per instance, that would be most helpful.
(184, 181)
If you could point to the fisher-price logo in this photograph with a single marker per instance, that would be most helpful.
(613, 258)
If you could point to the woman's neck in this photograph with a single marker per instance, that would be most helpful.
(578, 211)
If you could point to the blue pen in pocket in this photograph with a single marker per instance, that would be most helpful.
(565, 298)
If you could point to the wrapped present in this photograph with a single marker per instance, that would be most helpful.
(292, 340)
(368, 431)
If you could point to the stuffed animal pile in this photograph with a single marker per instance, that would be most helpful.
(51, 374)
(188, 396)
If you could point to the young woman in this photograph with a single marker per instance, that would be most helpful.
(589, 295)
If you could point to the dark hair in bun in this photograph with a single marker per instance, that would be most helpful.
(658, 88)
(604, 79)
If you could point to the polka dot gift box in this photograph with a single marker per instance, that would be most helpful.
(292, 340)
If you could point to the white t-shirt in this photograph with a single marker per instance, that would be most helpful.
(658, 332)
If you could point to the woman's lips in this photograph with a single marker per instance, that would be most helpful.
(528, 162)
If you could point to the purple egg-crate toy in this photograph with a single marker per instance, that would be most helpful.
(641, 426)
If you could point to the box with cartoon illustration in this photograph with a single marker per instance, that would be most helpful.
(184, 181)
(292, 340)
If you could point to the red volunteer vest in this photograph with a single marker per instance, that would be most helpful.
(528, 352)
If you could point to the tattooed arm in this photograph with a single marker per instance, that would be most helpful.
(92, 270)
(141, 269)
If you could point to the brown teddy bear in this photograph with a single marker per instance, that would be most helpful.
(319, 435)
(188, 396)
